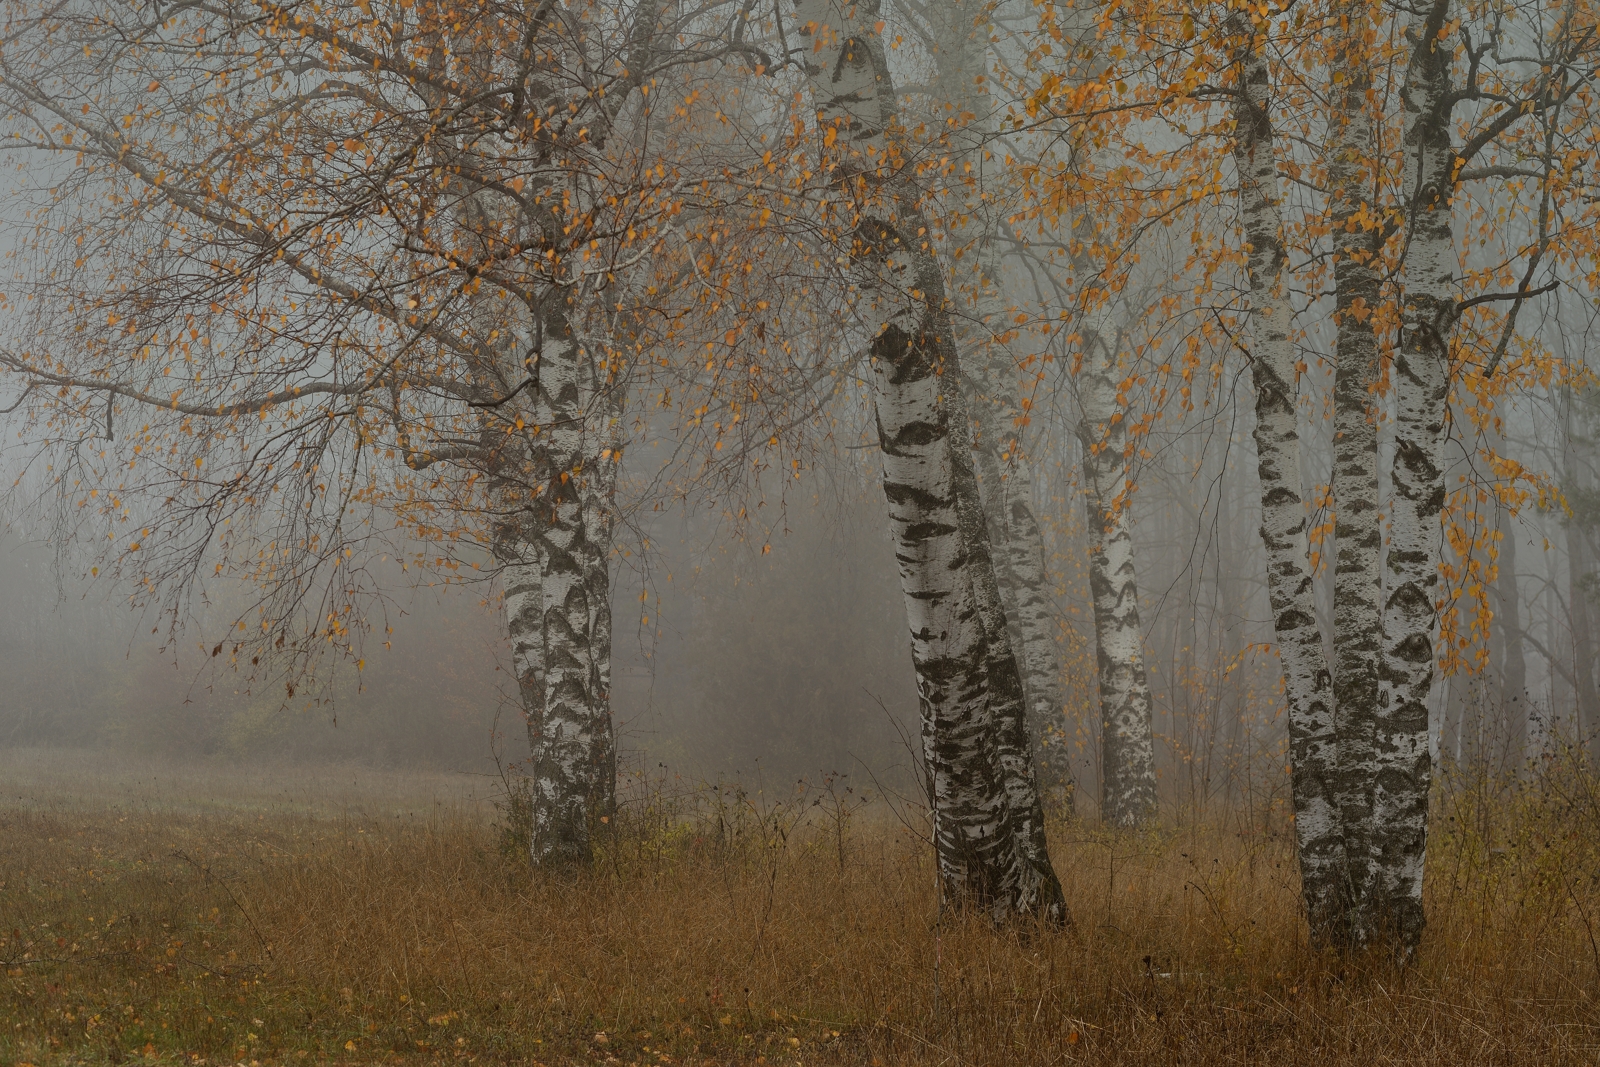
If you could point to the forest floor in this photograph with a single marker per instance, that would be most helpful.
(260, 917)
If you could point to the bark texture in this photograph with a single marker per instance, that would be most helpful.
(1038, 891)
(1357, 613)
(599, 520)
(565, 773)
(1127, 746)
(1028, 581)
(1291, 590)
(1017, 545)
(1403, 764)
(1128, 776)
(521, 575)
(983, 830)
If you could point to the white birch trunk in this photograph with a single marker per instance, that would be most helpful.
(972, 818)
(565, 773)
(599, 518)
(1036, 623)
(1127, 745)
(1016, 544)
(947, 578)
(521, 575)
(1128, 773)
(1018, 548)
(1357, 615)
(1037, 890)
(1402, 767)
(1291, 588)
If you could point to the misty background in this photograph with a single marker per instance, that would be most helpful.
(737, 663)
(788, 658)
(794, 662)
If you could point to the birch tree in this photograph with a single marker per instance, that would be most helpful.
(1380, 163)
(1290, 579)
(1072, 49)
(372, 276)
(987, 825)
(958, 38)
(1127, 747)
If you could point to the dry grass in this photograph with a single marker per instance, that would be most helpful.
(281, 924)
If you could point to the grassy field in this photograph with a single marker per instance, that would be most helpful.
(261, 916)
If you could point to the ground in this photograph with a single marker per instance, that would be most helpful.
(227, 914)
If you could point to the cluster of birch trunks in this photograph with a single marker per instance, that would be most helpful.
(971, 562)
(452, 316)
(970, 557)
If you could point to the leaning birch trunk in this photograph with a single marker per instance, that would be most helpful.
(1017, 546)
(1357, 614)
(1291, 587)
(565, 773)
(972, 819)
(1127, 742)
(1038, 891)
(1403, 767)
(983, 855)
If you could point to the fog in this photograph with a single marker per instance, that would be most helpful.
(794, 662)
(738, 665)
(491, 491)
(222, 447)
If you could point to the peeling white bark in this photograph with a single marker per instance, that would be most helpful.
(1015, 545)
(945, 572)
(565, 771)
(1127, 746)
(599, 518)
(1037, 890)
(1018, 549)
(1308, 686)
(1358, 628)
(1128, 776)
(1403, 768)
(521, 574)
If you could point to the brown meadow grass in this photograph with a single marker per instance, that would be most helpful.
(227, 916)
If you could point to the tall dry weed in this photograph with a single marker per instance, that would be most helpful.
(731, 925)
